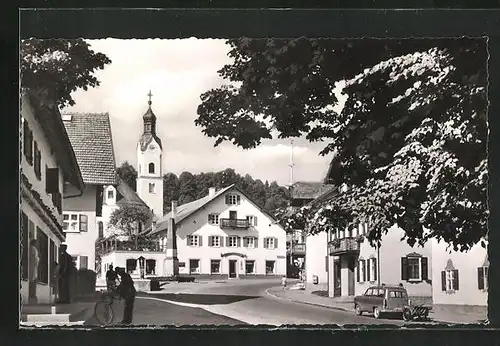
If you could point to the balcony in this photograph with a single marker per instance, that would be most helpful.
(234, 223)
(343, 246)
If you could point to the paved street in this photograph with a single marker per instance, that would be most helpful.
(233, 301)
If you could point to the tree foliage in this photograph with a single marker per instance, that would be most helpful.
(57, 67)
(128, 174)
(410, 141)
(129, 219)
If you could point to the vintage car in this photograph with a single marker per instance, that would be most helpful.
(382, 299)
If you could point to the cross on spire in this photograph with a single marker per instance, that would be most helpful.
(150, 95)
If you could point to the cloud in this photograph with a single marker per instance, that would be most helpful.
(178, 72)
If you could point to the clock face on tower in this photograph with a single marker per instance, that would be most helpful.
(151, 147)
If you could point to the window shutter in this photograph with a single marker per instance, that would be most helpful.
(188, 238)
(425, 274)
(52, 180)
(265, 243)
(210, 240)
(256, 242)
(83, 223)
(238, 199)
(227, 241)
(238, 241)
(375, 272)
(404, 268)
(364, 270)
(326, 263)
(221, 241)
(255, 220)
(227, 199)
(480, 278)
(368, 272)
(200, 240)
(443, 281)
(275, 243)
(455, 280)
(358, 271)
(84, 262)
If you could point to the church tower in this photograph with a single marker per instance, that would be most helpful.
(149, 164)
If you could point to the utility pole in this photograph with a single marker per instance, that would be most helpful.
(291, 165)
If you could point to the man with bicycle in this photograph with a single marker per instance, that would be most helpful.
(127, 291)
(111, 279)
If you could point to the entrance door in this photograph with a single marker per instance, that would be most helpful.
(350, 276)
(232, 215)
(232, 268)
(336, 279)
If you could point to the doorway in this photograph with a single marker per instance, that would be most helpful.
(232, 215)
(232, 268)
(337, 281)
(350, 276)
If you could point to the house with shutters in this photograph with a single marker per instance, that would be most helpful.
(225, 233)
(83, 218)
(49, 176)
(460, 278)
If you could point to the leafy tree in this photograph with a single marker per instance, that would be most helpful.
(170, 190)
(410, 141)
(57, 67)
(128, 174)
(128, 220)
(187, 188)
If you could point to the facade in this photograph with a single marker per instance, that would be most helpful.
(354, 265)
(225, 233)
(90, 136)
(460, 278)
(49, 175)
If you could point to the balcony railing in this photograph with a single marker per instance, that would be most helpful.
(234, 223)
(343, 246)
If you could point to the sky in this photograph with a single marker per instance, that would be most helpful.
(177, 72)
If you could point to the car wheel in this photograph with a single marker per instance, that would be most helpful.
(357, 310)
(407, 315)
(376, 312)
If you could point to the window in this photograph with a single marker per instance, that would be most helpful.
(151, 187)
(215, 241)
(38, 161)
(27, 143)
(397, 294)
(361, 271)
(150, 267)
(43, 253)
(100, 229)
(213, 219)
(131, 264)
(414, 268)
(194, 240)
(84, 262)
(449, 280)
(482, 278)
(252, 220)
(111, 194)
(194, 266)
(270, 243)
(233, 241)
(24, 246)
(83, 223)
(250, 242)
(250, 267)
(215, 267)
(70, 222)
(269, 267)
(151, 168)
(232, 199)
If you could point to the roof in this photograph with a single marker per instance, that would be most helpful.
(126, 195)
(309, 190)
(147, 136)
(49, 118)
(187, 209)
(90, 136)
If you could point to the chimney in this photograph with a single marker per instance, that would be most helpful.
(174, 209)
(211, 192)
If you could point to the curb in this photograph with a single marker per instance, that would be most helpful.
(306, 303)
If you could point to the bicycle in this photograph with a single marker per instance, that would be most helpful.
(103, 309)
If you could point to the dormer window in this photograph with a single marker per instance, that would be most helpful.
(232, 199)
(111, 194)
(151, 168)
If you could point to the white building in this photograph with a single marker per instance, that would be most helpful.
(460, 278)
(86, 215)
(49, 172)
(225, 233)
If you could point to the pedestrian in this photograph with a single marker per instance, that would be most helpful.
(283, 281)
(127, 291)
(33, 271)
(111, 279)
(64, 274)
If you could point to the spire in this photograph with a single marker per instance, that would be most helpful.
(150, 95)
(149, 118)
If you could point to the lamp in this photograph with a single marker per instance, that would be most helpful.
(141, 260)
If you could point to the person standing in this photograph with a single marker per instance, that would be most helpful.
(33, 271)
(127, 291)
(111, 279)
(65, 269)
(283, 281)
